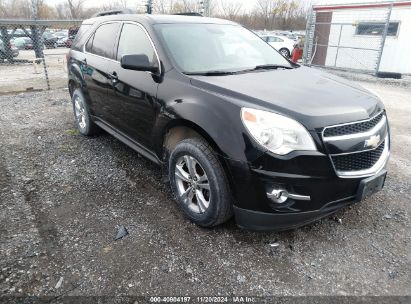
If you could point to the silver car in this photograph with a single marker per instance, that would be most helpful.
(3, 55)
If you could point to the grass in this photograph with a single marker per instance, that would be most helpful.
(72, 132)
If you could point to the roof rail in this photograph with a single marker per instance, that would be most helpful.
(114, 12)
(189, 14)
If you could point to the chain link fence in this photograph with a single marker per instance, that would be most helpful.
(33, 54)
(348, 39)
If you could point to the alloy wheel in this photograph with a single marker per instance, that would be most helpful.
(193, 185)
(284, 53)
(80, 112)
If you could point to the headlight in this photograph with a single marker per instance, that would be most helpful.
(277, 133)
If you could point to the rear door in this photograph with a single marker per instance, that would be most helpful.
(99, 51)
(132, 95)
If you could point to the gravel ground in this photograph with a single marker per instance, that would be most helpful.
(63, 196)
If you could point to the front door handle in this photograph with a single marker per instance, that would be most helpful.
(114, 77)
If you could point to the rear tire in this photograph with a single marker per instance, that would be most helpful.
(199, 183)
(84, 123)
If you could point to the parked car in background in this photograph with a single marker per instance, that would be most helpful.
(49, 40)
(23, 43)
(3, 51)
(62, 40)
(281, 43)
(72, 33)
(17, 33)
(61, 34)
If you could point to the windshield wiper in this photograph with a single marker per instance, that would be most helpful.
(210, 73)
(272, 67)
(223, 73)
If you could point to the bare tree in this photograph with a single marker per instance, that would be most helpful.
(163, 6)
(2, 8)
(76, 8)
(119, 4)
(61, 12)
(230, 9)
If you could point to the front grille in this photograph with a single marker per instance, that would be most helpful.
(358, 161)
(353, 128)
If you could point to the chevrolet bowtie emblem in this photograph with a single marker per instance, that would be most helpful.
(372, 142)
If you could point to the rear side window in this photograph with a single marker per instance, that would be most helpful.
(78, 32)
(89, 44)
(103, 40)
(134, 41)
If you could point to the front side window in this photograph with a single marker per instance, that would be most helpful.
(377, 29)
(103, 40)
(134, 41)
(202, 48)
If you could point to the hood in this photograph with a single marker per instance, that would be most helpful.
(312, 97)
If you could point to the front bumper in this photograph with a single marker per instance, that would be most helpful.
(262, 221)
(306, 174)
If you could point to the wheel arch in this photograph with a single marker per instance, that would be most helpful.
(180, 129)
(75, 79)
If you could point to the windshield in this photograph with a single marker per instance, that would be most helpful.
(202, 48)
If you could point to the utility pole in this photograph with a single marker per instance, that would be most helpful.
(149, 7)
(36, 36)
(34, 31)
(205, 7)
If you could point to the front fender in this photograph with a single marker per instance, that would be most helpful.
(217, 116)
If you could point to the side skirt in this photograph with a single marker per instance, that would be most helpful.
(128, 141)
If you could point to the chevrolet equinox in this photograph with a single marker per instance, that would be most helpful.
(237, 128)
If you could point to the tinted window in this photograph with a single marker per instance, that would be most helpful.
(133, 41)
(89, 44)
(377, 29)
(78, 32)
(104, 40)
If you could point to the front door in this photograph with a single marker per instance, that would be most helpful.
(132, 95)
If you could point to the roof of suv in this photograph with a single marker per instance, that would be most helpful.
(157, 19)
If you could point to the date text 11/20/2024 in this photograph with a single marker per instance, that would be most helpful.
(233, 299)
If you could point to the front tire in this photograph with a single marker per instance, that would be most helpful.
(285, 52)
(199, 183)
(82, 116)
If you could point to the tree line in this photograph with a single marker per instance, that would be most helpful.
(265, 14)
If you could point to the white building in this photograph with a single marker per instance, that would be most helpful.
(351, 36)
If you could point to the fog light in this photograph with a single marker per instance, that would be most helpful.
(279, 195)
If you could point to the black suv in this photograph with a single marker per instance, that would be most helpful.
(238, 128)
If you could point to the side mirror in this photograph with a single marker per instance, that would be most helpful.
(137, 63)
